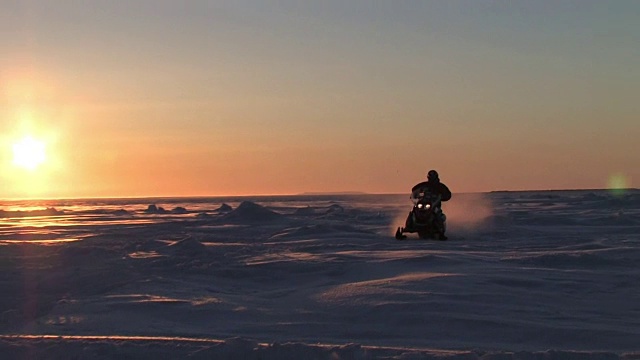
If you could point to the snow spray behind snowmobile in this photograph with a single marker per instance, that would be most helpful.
(426, 218)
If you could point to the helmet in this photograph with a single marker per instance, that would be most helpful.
(433, 176)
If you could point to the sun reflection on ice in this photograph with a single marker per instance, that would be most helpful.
(39, 241)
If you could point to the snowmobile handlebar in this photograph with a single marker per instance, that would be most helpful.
(436, 199)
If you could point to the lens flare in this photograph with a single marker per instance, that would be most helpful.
(618, 183)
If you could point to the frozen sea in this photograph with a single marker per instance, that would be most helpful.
(524, 275)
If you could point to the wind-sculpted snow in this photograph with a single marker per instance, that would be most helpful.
(250, 212)
(319, 230)
(525, 275)
(136, 347)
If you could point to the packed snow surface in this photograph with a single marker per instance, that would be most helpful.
(524, 275)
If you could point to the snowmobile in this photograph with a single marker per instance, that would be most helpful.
(426, 218)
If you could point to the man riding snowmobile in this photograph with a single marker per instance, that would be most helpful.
(429, 193)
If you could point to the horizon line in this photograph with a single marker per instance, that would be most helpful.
(310, 193)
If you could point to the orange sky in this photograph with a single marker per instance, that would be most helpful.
(162, 99)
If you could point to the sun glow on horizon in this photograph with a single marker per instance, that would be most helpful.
(29, 153)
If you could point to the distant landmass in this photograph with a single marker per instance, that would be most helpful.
(563, 190)
(333, 193)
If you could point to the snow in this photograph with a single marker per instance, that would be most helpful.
(525, 275)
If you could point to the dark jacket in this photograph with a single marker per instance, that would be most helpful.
(434, 188)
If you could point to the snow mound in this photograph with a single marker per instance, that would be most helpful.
(154, 209)
(224, 208)
(187, 247)
(249, 212)
(335, 208)
(179, 210)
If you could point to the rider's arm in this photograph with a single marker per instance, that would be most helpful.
(445, 192)
(416, 190)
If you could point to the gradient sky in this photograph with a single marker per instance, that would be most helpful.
(172, 98)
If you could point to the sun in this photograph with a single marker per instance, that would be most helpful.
(29, 153)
